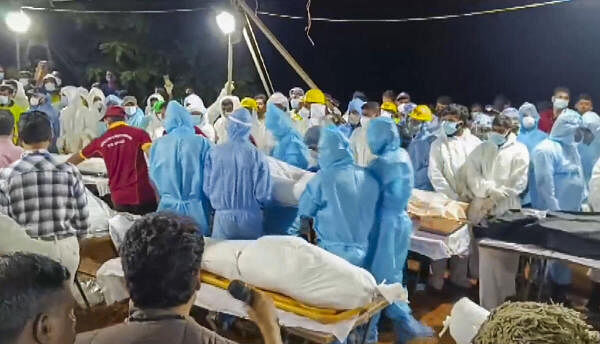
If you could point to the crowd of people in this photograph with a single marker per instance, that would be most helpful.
(211, 165)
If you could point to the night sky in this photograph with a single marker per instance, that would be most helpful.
(522, 54)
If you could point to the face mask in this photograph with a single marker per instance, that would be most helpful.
(528, 122)
(108, 78)
(317, 111)
(364, 120)
(4, 100)
(353, 119)
(304, 112)
(50, 87)
(295, 103)
(450, 128)
(130, 110)
(24, 82)
(227, 113)
(560, 104)
(34, 101)
(1, 75)
(496, 138)
(386, 114)
(58, 81)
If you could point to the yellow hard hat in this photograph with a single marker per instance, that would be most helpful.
(390, 107)
(314, 96)
(422, 113)
(250, 104)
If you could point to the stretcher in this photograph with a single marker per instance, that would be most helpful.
(314, 324)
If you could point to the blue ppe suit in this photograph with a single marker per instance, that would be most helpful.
(342, 199)
(418, 150)
(559, 177)
(138, 119)
(237, 182)
(290, 147)
(590, 153)
(177, 168)
(390, 241)
(530, 138)
(53, 115)
(355, 105)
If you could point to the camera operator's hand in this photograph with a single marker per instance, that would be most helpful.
(263, 314)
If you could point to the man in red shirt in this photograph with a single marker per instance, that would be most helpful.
(560, 101)
(122, 147)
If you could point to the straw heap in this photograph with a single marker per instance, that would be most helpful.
(533, 323)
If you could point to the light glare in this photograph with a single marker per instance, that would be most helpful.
(18, 22)
(226, 22)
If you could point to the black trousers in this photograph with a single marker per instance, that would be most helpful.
(139, 209)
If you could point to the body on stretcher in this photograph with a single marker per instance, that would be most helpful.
(316, 324)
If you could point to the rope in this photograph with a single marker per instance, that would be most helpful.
(260, 56)
(309, 24)
(415, 19)
(65, 10)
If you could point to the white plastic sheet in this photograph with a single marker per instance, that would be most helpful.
(438, 247)
(100, 213)
(465, 320)
(289, 182)
(111, 279)
(307, 273)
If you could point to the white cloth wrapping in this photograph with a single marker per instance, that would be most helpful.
(111, 279)
(100, 213)
(438, 247)
(292, 267)
(289, 182)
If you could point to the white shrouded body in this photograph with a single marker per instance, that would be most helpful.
(18, 22)
(226, 22)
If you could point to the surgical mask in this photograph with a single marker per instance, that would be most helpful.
(364, 120)
(414, 127)
(108, 78)
(4, 100)
(34, 101)
(50, 87)
(560, 104)
(130, 110)
(317, 111)
(227, 113)
(528, 122)
(353, 119)
(496, 138)
(386, 114)
(295, 103)
(304, 112)
(24, 82)
(450, 128)
(1, 75)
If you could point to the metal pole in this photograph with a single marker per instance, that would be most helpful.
(229, 64)
(286, 55)
(256, 64)
(260, 57)
(18, 53)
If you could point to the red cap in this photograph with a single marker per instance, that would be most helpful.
(114, 111)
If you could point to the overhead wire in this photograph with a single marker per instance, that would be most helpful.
(69, 10)
(413, 19)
